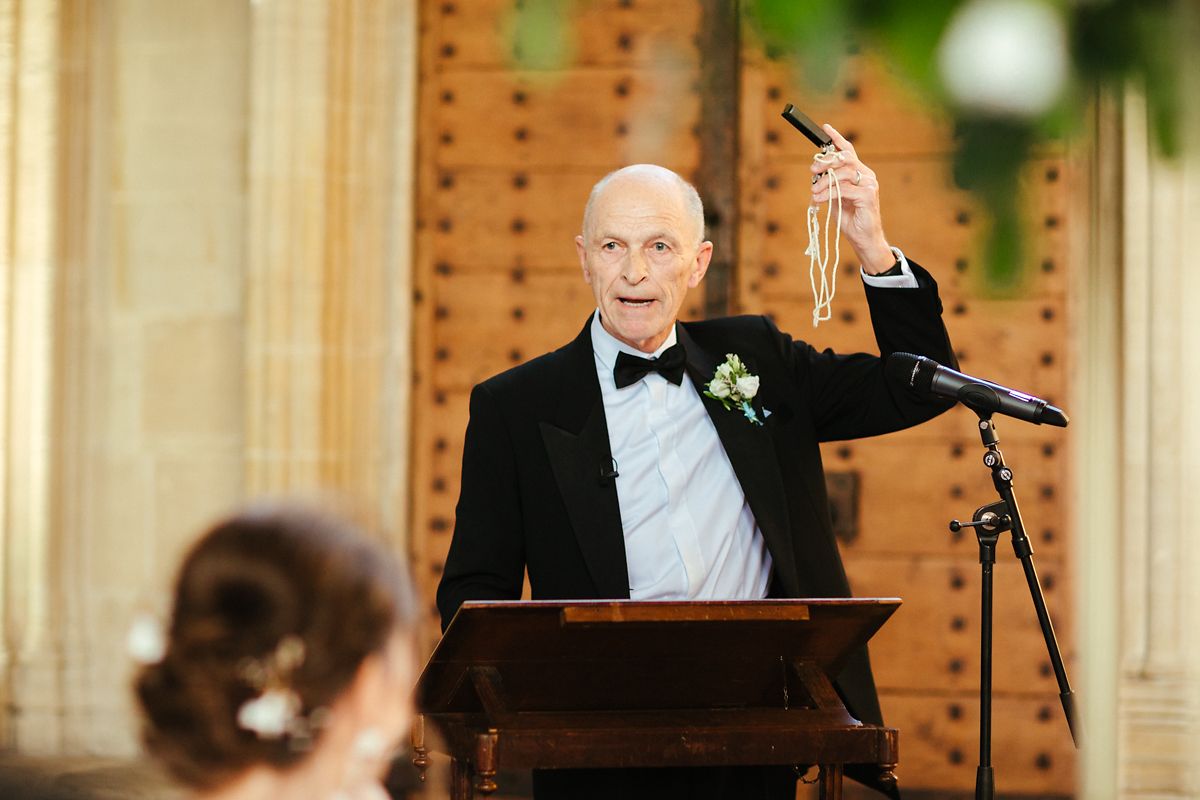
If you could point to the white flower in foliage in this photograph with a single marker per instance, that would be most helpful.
(1006, 56)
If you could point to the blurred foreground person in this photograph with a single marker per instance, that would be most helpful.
(287, 667)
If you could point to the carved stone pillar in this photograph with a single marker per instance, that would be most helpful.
(29, 137)
(1096, 418)
(1140, 468)
(1159, 713)
(327, 339)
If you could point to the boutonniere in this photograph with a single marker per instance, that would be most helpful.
(734, 387)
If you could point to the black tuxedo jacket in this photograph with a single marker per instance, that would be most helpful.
(534, 493)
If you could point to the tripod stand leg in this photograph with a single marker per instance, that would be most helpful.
(984, 776)
(985, 784)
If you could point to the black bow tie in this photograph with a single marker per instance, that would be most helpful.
(631, 369)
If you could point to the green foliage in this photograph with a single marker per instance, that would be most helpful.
(1112, 41)
(1138, 42)
(987, 162)
(812, 32)
(541, 34)
(909, 34)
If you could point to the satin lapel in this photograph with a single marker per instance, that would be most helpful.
(751, 451)
(579, 452)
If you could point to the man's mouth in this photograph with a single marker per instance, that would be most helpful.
(634, 302)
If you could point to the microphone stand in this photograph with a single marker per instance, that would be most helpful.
(989, 522)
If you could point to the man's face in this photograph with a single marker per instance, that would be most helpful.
(640, 254)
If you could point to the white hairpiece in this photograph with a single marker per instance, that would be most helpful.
(276, 710)
(146, 641)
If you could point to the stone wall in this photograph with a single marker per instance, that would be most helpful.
(204, 297)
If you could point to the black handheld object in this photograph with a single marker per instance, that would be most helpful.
(926, 375)
(806, 126)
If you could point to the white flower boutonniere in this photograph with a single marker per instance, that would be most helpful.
(734, 387)
(276, 709)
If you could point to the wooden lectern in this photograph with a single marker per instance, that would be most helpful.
(649, 684)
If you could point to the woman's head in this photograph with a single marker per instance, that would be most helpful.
(279, 613)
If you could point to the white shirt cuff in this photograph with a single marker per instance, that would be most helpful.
(905, 280)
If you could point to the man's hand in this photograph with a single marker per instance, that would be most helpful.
(861, 222)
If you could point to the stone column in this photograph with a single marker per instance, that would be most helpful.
(1140, 463)
(1096, 417)
(1158, 712)
(329, 246)
(29, 138)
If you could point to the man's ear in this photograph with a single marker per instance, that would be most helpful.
(700, 265)
(581, 249)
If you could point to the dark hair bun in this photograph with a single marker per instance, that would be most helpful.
(254, 579)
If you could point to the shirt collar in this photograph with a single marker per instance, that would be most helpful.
(606, 346)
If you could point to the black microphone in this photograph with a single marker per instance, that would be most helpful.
(928, 376)
(608, 471)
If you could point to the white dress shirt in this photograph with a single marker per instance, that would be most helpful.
(689, 532)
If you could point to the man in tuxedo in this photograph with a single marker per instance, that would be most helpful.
(604, 470)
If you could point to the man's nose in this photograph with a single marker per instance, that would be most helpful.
(635, 267)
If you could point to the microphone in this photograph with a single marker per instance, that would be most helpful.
(930, 377)
(608, 471)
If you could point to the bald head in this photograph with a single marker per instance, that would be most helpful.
(647, 177)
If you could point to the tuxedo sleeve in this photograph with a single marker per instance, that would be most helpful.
(850, 396)
(486, 559)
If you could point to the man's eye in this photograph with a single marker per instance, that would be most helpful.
(609, 246)
(660, 247)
